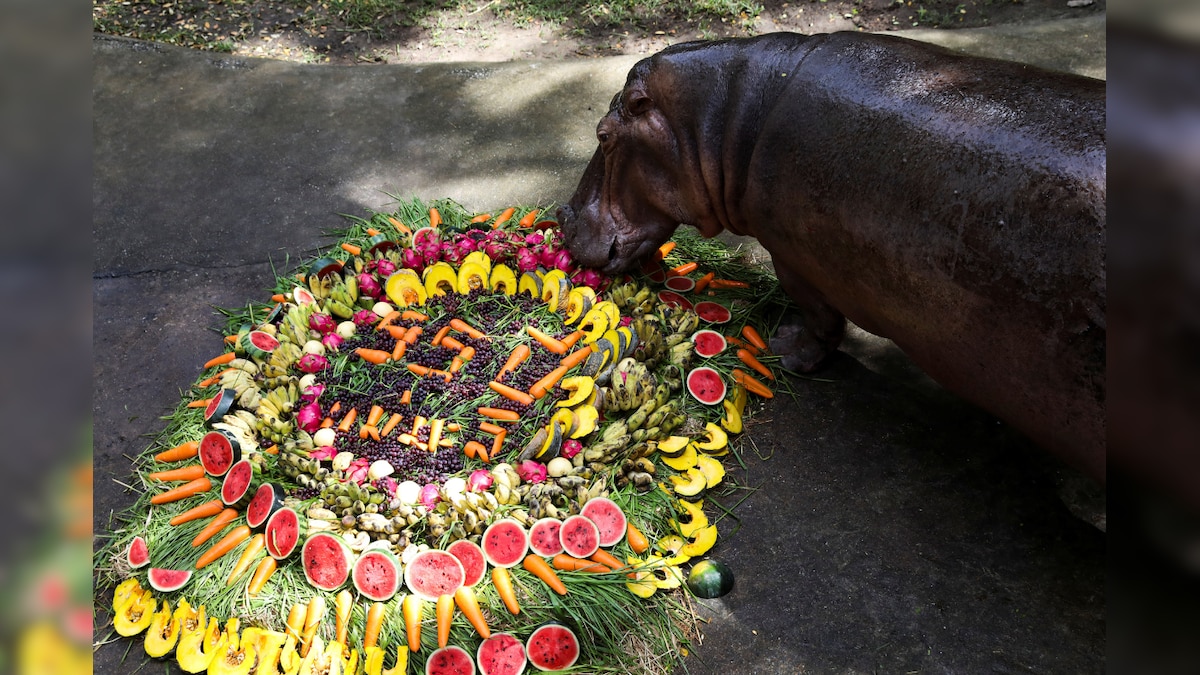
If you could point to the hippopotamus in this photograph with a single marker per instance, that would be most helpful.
(951, 203)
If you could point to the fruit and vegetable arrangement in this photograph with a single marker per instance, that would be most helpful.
(444, 447)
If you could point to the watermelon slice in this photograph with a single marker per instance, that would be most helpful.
(608, 517)
(713, 312)
(323, 267)
(504, 543)
(168, 580)
(219, 405)
(552, 646)
(235, 490)
(303, 296)
(705, 385)
(138, 554)
(501, 654)
(674, 299)
(580, 537)
(326, 560)
(376, 574)
(283, 532)
(266, 501)
(472, 559)
(680, 284)
(218, 452)
(434, 573)
(709, 343)
(544, 539)
(450, 660)
(652, 268)
(259, 344)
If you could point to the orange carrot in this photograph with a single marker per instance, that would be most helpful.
(208, 382)
(510, 393)
(272, 450)
(399, 225)
(703, 282)
(451, 343)
(256, 545)
(374, 624)
(191, 472)
(481, 218)
(327, 422)
(348, 420)
(571, 339)
(413, 315)
(444, 613)
(482, 453)
(738, 342)
(665, 249)
(218, 523)
(464, 327)
(728, 283)
(503, 217)
(374, 416)
(406, 397)
(180, 452)
(220, 360)
(539, 389)
(393, 420)
(376, 356)
(411, 335)
(362, 431)
(343, 602)
(194, 487)
(397, 332)
(199, 404)
(351, 248)
(418, 369)
(435, 219)
(748, 359)
(515, 359)
(437, 337)
(453, 427)
(386, 321)
(751, 334)
(576, 357)
(636, 540)
(333, 409)
(752, 385)
(553, 344)
(566, 563)
(468, 604)
(538, 566)
(228, 543)
(412, 607)
(499, 414)
(527, 219)
(206, 510)
(684, 269)
(489, 428)
(473, 448)
(435, 432)
(607, 559)
(231, 339)
(502, 581)
(266, 567)
(279, 297)
(371, 232)
(457, 363)
(398, 350)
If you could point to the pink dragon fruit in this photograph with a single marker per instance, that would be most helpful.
(534, 239)
(357, 470)
(590, 278)
(563, 261)
(479, 480)
(312, 363)
(322, 323)
(412, 259)
(532, 472)
(527, 260)
(385, 268)
(311, 393)
(430, 496)
(308, 417)
(365, 317)
(570, 448)
(453, 254)
(369, 286)
(332, 341)
(323, 452)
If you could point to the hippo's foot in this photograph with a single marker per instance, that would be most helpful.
(801, 348)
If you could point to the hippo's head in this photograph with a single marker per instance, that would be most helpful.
(629, 200)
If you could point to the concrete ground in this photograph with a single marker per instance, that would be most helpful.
(890, 526)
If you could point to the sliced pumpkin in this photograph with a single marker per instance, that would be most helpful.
(716, 441)
(629, 342)
(673, 446)
(125, 591)
(197, 648)
(643, 584)
(555, 434)
(555, 289)
(566, 418)
(481, 258)
(135, 614)
(472, 276)
(732, 420)
(530, 283)
(289, 658)
(596, 323)
(703, 541)
(580, 386)
(440, 278)
(586, 419)
(579, 301)
(163, 631)
(695, 519)
(610, 310)
(672, 546)
(322, 659)
(270, 648)
(235, 654)
(712, 469)
(664, 576)
(503, 280)
(682, 462)
(405, 288)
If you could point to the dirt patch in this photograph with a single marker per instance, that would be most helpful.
(487, 31)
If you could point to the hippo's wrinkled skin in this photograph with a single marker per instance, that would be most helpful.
(953, 204)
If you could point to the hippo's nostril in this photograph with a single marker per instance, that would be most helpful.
(612, 250)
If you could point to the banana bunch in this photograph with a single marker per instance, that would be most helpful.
(650, 338)
(274, 412)
(343, 297)
(239, 377)
(474, 510)
(639, 471)
(241, 425)
(294, 326)
(546, 500)
(633, 299)
(612, 439)
(631, 385)
(505, 482)
(678, 320)
(321, 519)
(319, 285)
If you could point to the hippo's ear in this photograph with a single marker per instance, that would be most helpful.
(637, 102)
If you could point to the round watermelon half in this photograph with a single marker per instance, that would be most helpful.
(450, 660)
(219, 405)
(266, 501)
(608, 517)
(259, 344)
(552, 647)
(472, 559)
(680, 284)
(138, 554)
(376, 574)
(501, 654)
(283, 532)
(544, 539)
(709, 343)
(504, 543)
(323, 267)
(674, 299)
(168, 580)
(580, 537)
(218, 452)
(713, 312)
(434, 573)
(303, 296)
(706, 385)
(235, 489)
(326, 560)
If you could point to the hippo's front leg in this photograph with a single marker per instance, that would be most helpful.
(811, 330)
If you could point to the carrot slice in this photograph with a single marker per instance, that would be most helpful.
(374, 624)
(406, 397)
(206, 510)
(386, 322)
(515, 359)
(499, 414)
(685, 268)
(376, 356)
(411, 335)
(510, 393)
(748, 359)
(199, 404)
(539, 389)
(527, 219)
(636, 540)
(665, 249)
(412, 607)
(444, 613)
(572, 338)
(435, 219)
(576, 357)
(183, 473)
(751, 334)
(463, 327)
(228, 543)
(468, 604)
(194, 487)
(399, 225)
(538, 566)
(391, 423)
(503, 217)
(752, 385)
(180, 452)
(728, 283)
(218, 523)
(451, 343)
(567, 563)
(703, 282)
(397, 332)
(374, 416)
(437, 337)
(413, 315)
(220, 360)
(481, 218)
(607, 559)
(472, 448)
(502, 581)
(489, 428)
(351, 248)
(257, 543)
(553, 344)
(399, 349)
(266, 567)
(348, 420)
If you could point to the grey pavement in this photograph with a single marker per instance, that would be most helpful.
(893, 528)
